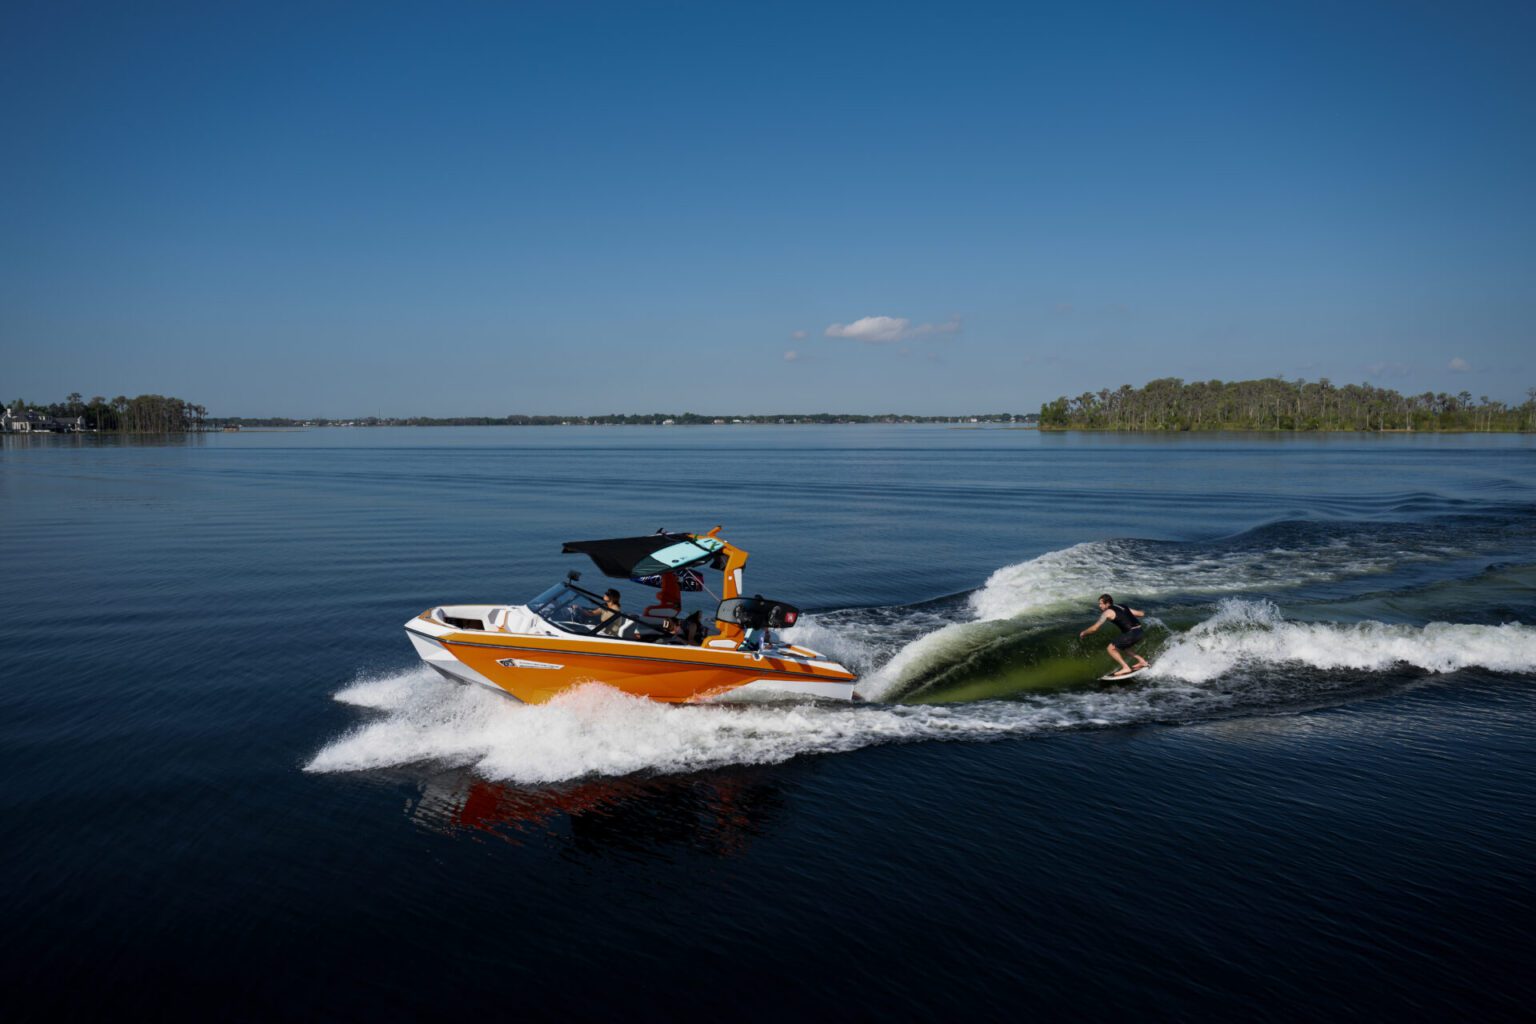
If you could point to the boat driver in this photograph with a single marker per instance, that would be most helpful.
(611, 619)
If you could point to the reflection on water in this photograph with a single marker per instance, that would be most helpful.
(717, 813)
(48, 440)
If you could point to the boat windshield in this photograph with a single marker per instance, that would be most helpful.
(567, 608)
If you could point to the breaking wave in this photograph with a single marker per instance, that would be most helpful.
(1279, 557)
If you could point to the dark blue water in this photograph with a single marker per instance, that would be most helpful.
(229, 788)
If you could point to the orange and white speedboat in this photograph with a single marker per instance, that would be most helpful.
(569, 635)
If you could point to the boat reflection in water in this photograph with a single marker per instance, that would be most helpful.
(718, 813)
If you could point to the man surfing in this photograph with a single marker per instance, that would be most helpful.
(1127, 619)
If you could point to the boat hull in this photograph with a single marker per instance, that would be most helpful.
(535, 668)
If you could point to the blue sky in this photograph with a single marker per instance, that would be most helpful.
(486, 208)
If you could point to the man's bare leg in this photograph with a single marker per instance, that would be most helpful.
(1114, 652)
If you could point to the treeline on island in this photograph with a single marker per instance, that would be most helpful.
(145, 414)
(1169, 403)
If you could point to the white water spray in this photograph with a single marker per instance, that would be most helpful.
(1250, 634)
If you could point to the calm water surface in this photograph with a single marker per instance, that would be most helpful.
(229, 788)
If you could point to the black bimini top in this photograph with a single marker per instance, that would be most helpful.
(629, 557)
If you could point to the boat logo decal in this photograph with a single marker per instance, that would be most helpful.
(524, 663)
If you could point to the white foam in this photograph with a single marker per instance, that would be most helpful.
(1074, 577)
(1254, 633)
(598, 731)
(1054, 579)
(882, 647)
(845, 646)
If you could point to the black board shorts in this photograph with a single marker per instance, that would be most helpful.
(1125, 641)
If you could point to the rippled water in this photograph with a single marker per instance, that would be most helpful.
(227, 778)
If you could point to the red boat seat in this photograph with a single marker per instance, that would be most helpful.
(670, 601)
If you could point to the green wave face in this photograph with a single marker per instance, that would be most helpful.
(991, 660)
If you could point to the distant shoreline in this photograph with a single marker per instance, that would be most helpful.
(1019, 420)
(948, 424)
(951, 424)
(1167, 405)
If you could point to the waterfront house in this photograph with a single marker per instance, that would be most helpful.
(29, 422)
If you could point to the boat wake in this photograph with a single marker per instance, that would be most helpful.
(1005, 660)
(1245, 658)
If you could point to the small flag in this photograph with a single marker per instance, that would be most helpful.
(687, 579)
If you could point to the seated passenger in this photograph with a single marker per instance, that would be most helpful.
(671, 632)
(692, 630)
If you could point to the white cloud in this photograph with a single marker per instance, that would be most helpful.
(797, 335)
(1458, 365)
(873, 330)
(881, 330)
(791, 356)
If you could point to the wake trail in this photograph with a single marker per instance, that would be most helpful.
(1245, 657)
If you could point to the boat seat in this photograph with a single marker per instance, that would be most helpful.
(669, 603)
(496, 621)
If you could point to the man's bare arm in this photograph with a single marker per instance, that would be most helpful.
(1095, 627)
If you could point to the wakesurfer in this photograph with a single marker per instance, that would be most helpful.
(1127, 618)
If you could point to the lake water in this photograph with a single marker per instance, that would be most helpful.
(229, 788)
